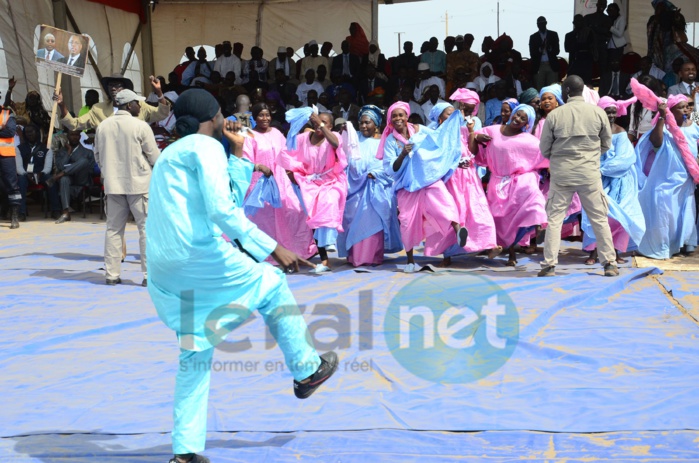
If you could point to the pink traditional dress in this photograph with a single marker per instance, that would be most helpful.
(319, 171)
(287, 224)
(515, 200)
(466, 188)
(426, 213)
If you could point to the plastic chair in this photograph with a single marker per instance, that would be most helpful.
(44, 191)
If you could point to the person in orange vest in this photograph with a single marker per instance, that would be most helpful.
(8, 162)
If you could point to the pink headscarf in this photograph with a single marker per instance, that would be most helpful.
(391, 130)
(651, 101)
(622, 106)
(464, 95)
(590, 96)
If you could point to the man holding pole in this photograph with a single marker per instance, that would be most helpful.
(101, 111)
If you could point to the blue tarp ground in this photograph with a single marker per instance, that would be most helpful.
(375, 446)
(594, 355)
(684, 289)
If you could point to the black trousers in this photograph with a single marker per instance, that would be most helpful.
(8, 173)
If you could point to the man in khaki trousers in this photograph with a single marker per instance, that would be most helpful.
(573, 138)
(125, 150)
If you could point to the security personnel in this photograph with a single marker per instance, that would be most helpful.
(8, 162)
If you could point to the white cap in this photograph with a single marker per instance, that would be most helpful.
(312, 42)
(281, 50)
(127, 96)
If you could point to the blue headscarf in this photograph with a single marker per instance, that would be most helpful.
(297, 118)
(437, 111)
(513, 103)
(531, 116)
(555, 89)
(374, 113)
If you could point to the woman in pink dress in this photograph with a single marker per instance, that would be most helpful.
(513, 157)
(426, 209)
(317, 166)
(466, 188)
(287, 224)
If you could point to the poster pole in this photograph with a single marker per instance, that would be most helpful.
(53, 110)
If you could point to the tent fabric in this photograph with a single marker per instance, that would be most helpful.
(282, 24)
(110, 29)
(130, 6)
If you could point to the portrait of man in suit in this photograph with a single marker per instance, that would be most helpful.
(49, 52)
(76, 55)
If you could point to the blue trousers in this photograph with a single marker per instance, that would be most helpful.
(285, 322)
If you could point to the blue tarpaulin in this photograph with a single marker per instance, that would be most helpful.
(88, 370)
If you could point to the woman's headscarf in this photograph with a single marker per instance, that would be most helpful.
(373, 58)
(590, 96)
(391, 130)
(437, 111)
(359, 44)
(193, 107)
(374, 113)
(276, 96)
(492, 78)
(531, 116)
(512, 103)
(528, 95)
(464, 95)
(555, 90)
(622, 106)
(650, 101)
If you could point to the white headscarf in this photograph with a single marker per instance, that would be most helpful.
(374, 57)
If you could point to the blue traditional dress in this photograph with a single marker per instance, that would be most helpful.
(666, 195)
(202, 286)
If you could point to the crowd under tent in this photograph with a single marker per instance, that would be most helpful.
(141, 37)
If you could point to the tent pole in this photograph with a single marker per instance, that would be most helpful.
(375, 21)
(258, 32)
(24, 71)
(131, 49)
(147, 44)
(60, 10)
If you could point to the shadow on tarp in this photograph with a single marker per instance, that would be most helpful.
(77, 446)
(374, 446)
(60, 255)
(95, 278)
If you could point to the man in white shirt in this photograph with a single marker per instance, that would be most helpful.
(312, 61)
(426, 81)
(309, 84)
(228, 62)
(283, 62)
(433, 99)
(312, 99)
(647, 67)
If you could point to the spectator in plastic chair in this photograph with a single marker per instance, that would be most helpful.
(34, 165)
(74, 167)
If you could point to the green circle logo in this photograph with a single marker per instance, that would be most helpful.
(450, 329)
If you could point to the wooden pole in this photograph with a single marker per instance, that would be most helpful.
(53, 110)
